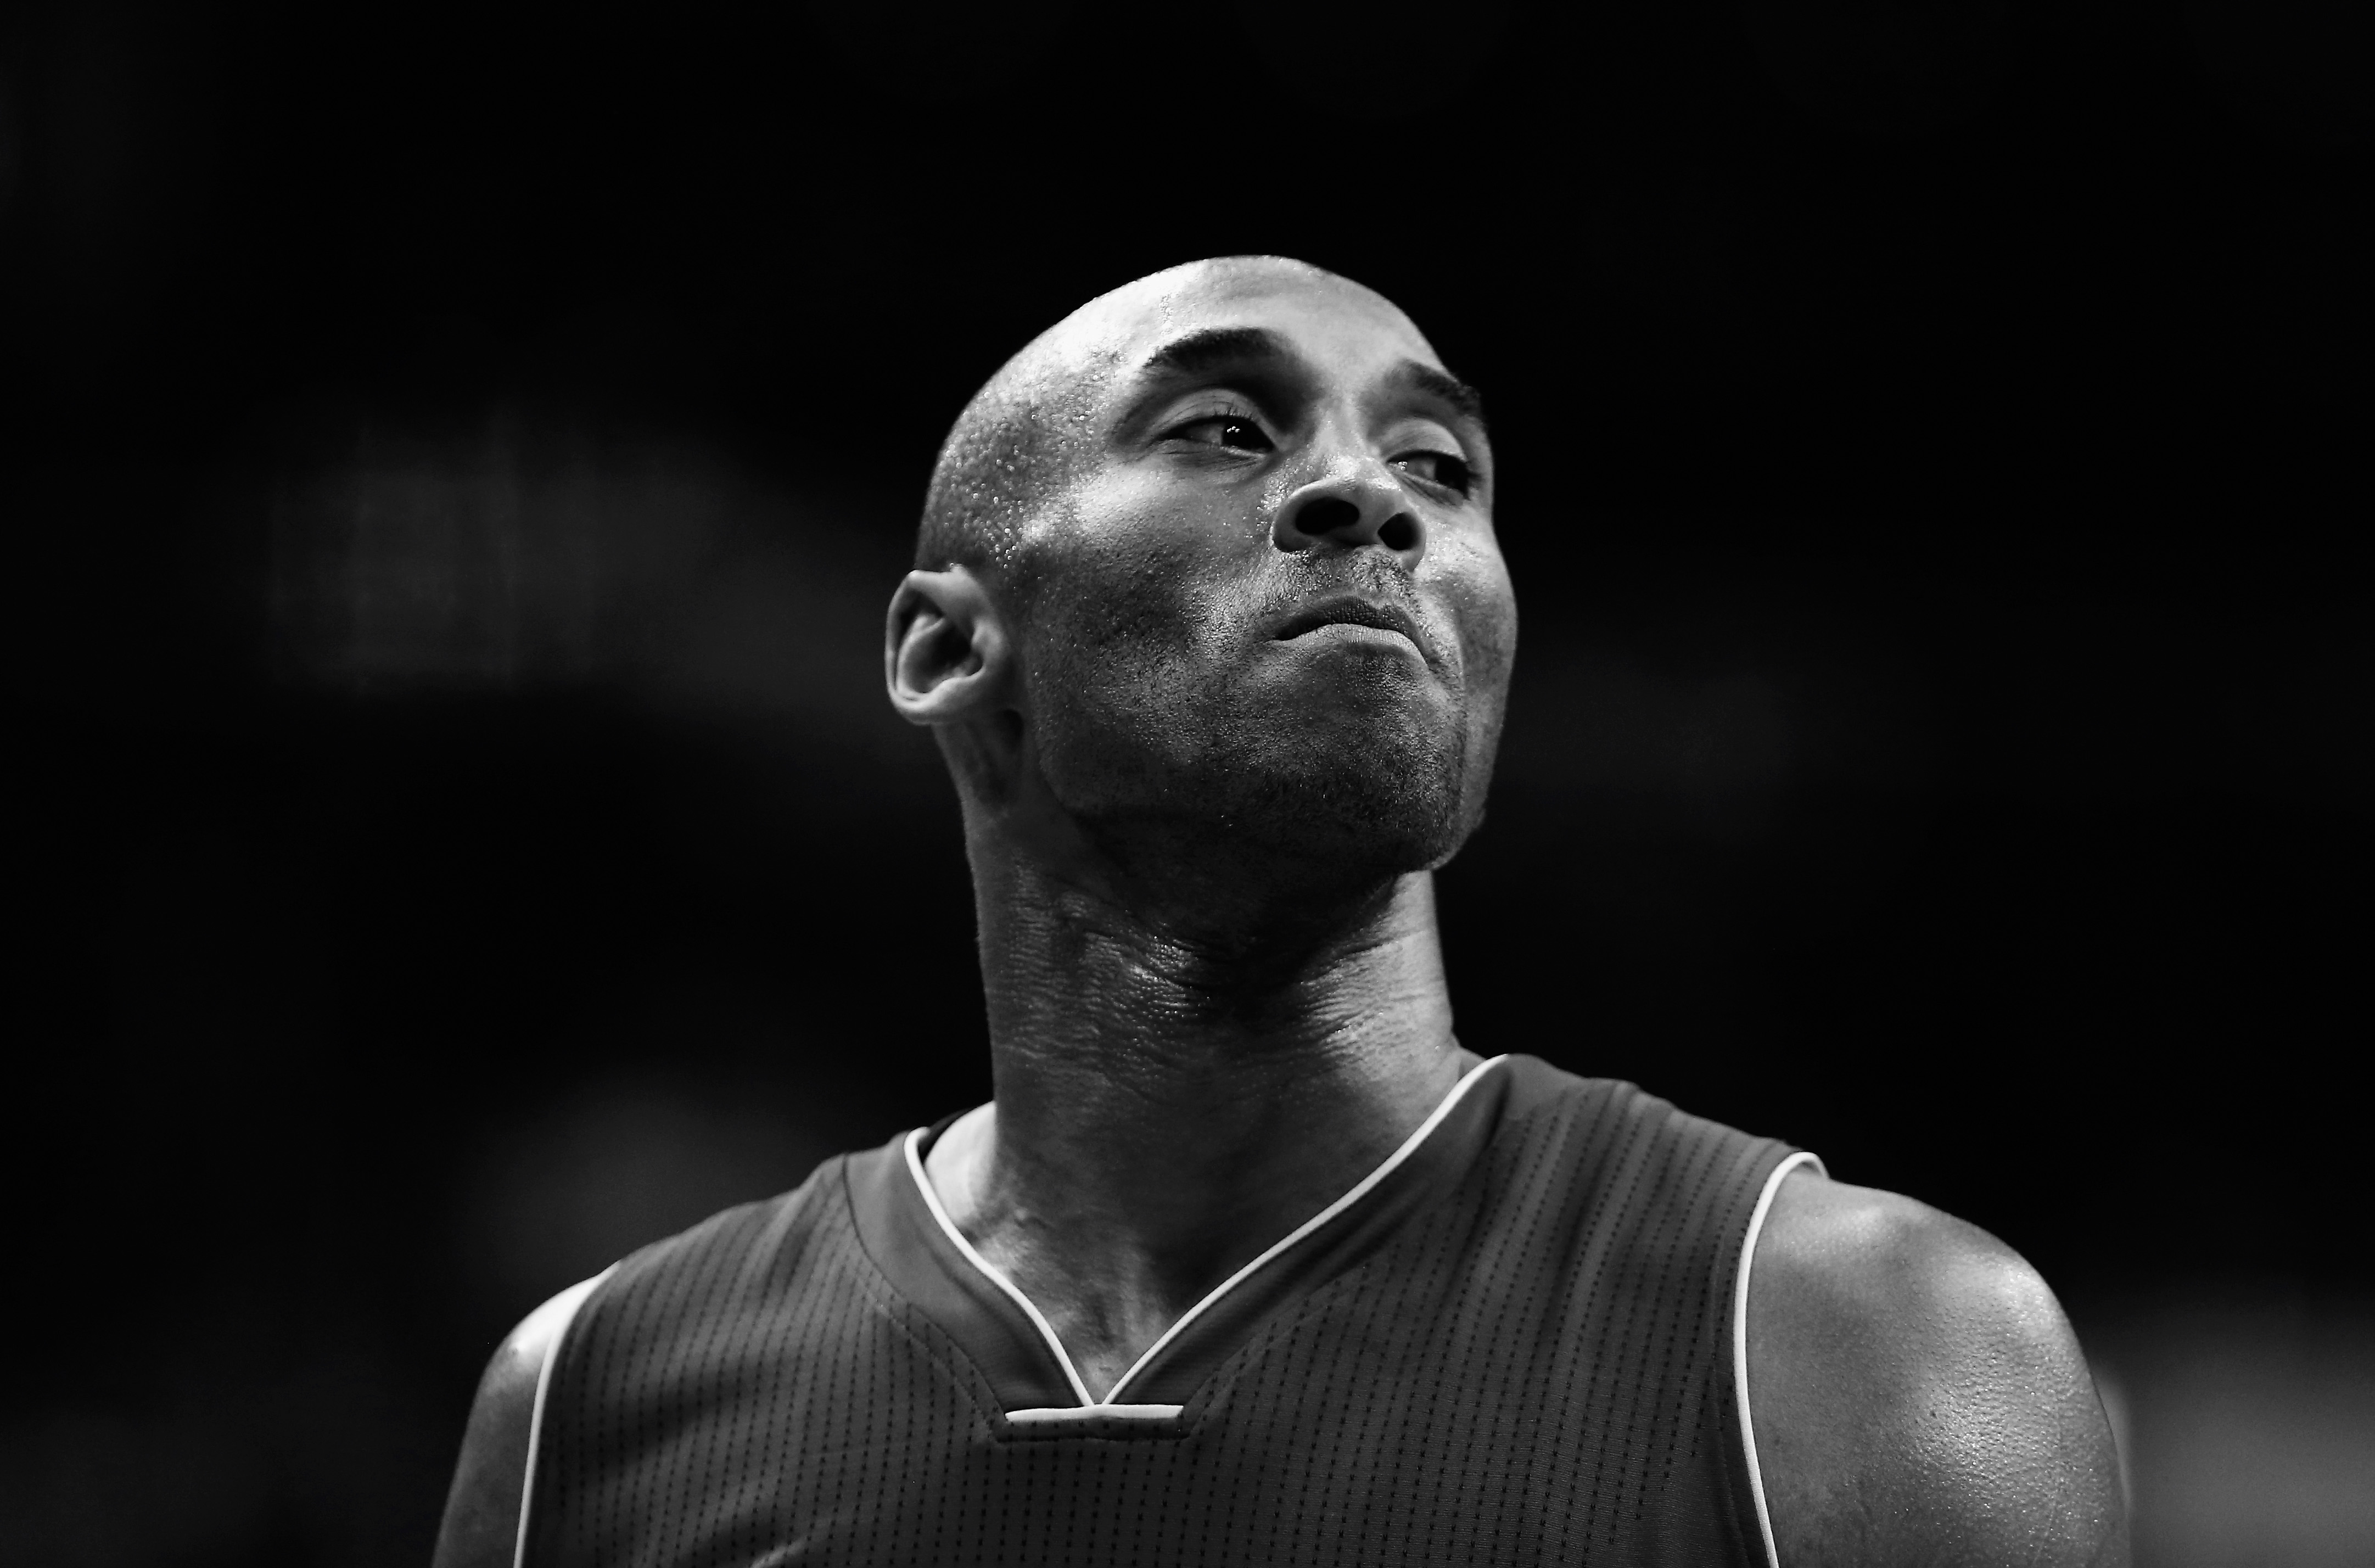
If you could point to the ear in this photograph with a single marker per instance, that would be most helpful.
(946, 657)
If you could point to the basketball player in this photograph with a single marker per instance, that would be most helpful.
(1250, 1260)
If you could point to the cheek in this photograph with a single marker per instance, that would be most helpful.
(1124, 611)
(1133, 568)
(1113, 651)
(1475, 584)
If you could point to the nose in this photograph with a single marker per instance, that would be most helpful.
(1351, 509)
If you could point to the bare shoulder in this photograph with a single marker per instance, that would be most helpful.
(1917, 1394)
(482, 1509)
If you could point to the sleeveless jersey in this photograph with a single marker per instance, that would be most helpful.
(1515, 1342)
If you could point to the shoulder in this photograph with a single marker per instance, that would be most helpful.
(1582, 1120)
(1917, 1394)
(482, 1509)
(700, 1271)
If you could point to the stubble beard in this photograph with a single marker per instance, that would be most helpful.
(1229, 797)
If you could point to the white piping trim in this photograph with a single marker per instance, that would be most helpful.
(1046, 1329)
(562, 1307)
(1072, 1415)
(1739, 1345)
(1409, 1147)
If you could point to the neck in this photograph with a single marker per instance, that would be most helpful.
(1170, 1104)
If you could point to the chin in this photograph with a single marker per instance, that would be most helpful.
(1337, 780)
(1371, 808)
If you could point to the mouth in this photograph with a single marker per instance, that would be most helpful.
(1351, 612)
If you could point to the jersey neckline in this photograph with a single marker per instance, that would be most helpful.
(910, 1237)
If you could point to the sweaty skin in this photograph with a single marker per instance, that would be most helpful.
(1216, 709)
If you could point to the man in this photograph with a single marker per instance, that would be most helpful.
(1250, 1260)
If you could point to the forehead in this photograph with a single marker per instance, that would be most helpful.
(1342, 329)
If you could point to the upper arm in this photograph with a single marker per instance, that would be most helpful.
(482, 1509)
(1917, 1395)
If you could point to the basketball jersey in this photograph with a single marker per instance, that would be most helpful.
(1517, 1341)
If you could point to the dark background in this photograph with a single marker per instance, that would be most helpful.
(455, 459)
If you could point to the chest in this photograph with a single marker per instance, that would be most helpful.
(1391, 1417)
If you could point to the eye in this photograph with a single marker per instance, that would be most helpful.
(1234, 431)
(1442, 468)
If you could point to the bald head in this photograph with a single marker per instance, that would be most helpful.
(1213, 560)
(1024, 435)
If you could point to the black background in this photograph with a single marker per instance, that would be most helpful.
(1933, 441)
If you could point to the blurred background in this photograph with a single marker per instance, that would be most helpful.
(456, 458)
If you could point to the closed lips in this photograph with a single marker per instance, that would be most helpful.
(1349, 612)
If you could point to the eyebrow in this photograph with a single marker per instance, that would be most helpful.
(1214, 348)
(1464, 399)
(1264, 361)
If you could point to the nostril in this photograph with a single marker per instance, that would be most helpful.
(1326, 514)
(1400, 533)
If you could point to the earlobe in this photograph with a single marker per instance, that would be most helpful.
(944, 655)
